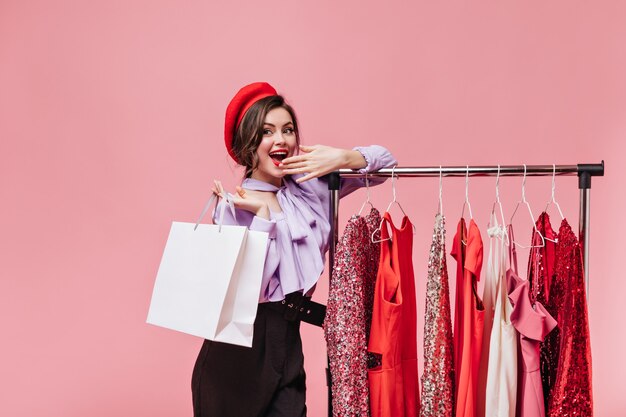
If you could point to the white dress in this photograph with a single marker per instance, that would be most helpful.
(502, 372)
(501, 394)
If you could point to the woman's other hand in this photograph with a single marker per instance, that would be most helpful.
(243, 201)
(319, 160)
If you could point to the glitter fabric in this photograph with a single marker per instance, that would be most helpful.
(394, 386)
(438, 378)
(571, 394)
(373, 258)
(541, 264)
(541, 260)
(467, 249)
(348, 315)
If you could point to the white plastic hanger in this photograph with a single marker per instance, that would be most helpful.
(523, 200)
(499, 203)
(440, 206)
(553, 200)
(395, 200)
(367, 186)
(466, 203)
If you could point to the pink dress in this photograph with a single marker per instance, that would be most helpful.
(533, 325)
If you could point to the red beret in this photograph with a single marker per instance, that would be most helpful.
(239, 105)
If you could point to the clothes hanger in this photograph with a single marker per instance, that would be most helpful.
(553, 200)
(523, 200)
(440, 208)
(395, 200)
(499, 203)
(467, 203)
(466, 200)
(440, 205)
(367, 186)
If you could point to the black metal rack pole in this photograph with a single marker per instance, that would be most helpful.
(583, 171)
(333, 187)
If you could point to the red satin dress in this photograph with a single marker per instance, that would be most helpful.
(468, 316)
(394, 388)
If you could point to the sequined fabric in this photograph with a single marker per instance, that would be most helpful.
(437, 397)
(348, 315)
(571, 394)
(541, 261)
(541, 264)
(373, 258)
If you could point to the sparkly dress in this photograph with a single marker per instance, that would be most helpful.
(394, 385)
(541, 261)
(467, 249)
(571, 394)
(541, 264)
(348, 315)
(438, 377)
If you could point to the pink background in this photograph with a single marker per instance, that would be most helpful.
(111, 118)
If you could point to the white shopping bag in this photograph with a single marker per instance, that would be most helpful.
(209, 280)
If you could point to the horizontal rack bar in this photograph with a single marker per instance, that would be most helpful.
(481, 171)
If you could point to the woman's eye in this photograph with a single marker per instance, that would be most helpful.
(267, 132)
(288, 130)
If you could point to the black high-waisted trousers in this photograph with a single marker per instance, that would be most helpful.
(266, 380)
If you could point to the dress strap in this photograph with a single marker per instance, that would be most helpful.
(512, 250)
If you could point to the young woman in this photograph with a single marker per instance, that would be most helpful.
(282, 194)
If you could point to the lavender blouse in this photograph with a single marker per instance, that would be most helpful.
(299, 236)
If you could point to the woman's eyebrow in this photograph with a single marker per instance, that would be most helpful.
(269, 124)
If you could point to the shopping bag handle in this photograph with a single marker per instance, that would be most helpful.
(228, 199)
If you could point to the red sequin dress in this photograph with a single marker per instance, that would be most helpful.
(571, 394)
(541, 269)
(541, 262)
(437, 397)
(349, 314)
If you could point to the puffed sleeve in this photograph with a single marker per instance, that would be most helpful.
(244, 218)
(255, 223)
(377, 157)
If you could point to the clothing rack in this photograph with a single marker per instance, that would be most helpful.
(583, 171)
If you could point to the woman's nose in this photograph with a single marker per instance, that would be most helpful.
(279, 138)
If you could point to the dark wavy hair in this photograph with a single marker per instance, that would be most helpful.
(250, 131)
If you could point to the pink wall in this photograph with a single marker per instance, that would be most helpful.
(111, 119)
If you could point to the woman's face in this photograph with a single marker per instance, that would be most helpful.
(279, 142)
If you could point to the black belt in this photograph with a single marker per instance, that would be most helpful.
(296, 306)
